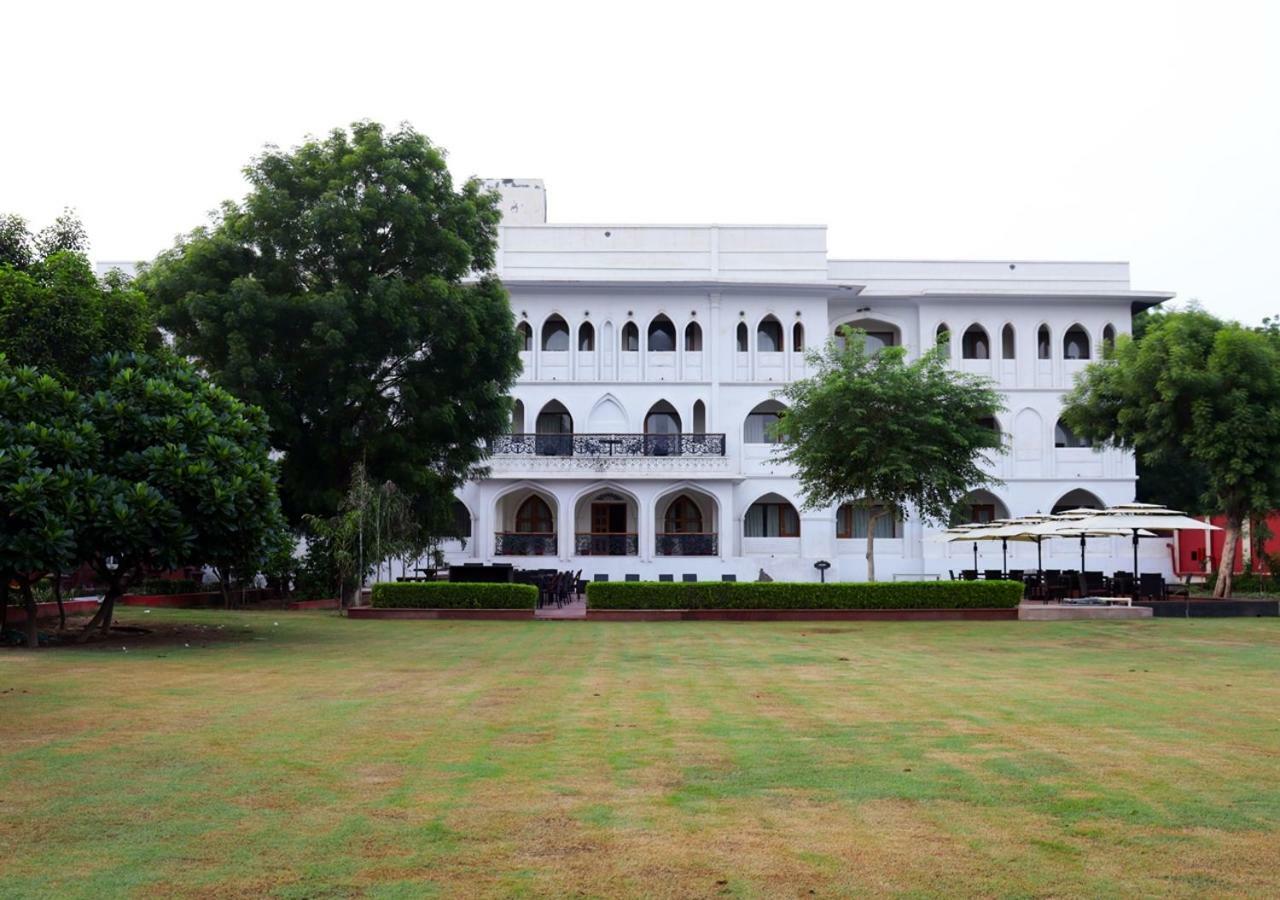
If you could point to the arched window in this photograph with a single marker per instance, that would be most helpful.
(761, 421)
(662, 335)
(693, 338)
(1044, 343)
(555, 334)
(517, 417)
(878, 334)
(797, 338)
(769, 335)
(975, 344)
(1065, 437)
(526, 336)
(852, 522)
(631, 338)
(1109, 336)
(771, 516)
(699, 417)
(586, 337)
(943, 336)
(990, 422)
(534, 517)
(554, 430)
(979, 507)
(662, 430)
(1078, 498)
(743, 346)
(1008, 345)
(683, 517)
(461, 520)
(1075, 343)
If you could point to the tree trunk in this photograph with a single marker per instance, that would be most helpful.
(871, 544)
(102, 618)
(224, 587)
(57, 595)
(29, 601)
(4, 603)
(1226, 565)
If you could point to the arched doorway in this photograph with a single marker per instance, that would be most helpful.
(606, 523)
(526, 524)
(687, 524)
(662, 430)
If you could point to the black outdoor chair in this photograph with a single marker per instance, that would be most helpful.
(992, 574)
(1016, 575)
(1151, 586)
(968, 574)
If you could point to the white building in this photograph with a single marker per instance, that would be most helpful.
(651, 356)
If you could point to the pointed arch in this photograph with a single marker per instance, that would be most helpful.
(693, 338)
(769, 335)
(978, 507)
(461, 519)
(534, 516)
(771, 516)
(879, 333)
(761, 421)
(555, 333)
(797, 338)
(517, 417)
(554, 430)
(586, 337)
(1108, 336)
(662, 430)
(942, 338)
(1064, 437)
(525, 333)
(607, 416)
(522, 525)
(1044, 343)
(1008, 342)
(975, 344)
(630, 338)
(742, 338)
(1075, 343)
(699, 417)
(661, 336)
(1077, 498)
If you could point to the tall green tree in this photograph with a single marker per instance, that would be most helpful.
(893, 436)
(55, 313)
(1198, 389)
(350, 296)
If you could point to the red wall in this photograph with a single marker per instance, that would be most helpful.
(1189, 557)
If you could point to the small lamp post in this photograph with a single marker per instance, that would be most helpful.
(822, 565)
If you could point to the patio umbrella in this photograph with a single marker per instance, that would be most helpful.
(1082, 524)
(1002, 530)
(1143, 520)
(965, 532)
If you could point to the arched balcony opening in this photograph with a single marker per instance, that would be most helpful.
(797, 338)
(555, 334)
(853, 521)
(687, 524)
(942, 337)
(979, 507)
(1044, 343)
(662, 335)
(1065, 438)
(586, 337)
(699, 417)
(460, 519)
(606, 523)
(769, 335)
(662, 430)
(1008, 343)
(772, 516)
(1108, 336)
(525, 333)
(1075, 343)
(553, 431)
(742, 338)
(693, 338)
(527, 525)
(517, 417)
(878, 335)
(975, 344)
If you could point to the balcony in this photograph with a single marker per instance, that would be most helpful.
(524, 543)
(687, 544)
(600, 544)
(608, 445)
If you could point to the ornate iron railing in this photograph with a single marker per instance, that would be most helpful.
(523, 543)
(608, 445)
(592, 544)
(687, 544)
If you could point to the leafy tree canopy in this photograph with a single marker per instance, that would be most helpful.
(55, 313)
(874, 429)
(349, 297)
(1199, 390)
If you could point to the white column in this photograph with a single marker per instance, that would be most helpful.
(566, 521)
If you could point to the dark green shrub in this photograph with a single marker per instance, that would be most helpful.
(802, 595)
(443, 595)
(172, 586)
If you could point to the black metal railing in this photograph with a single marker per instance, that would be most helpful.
(595, 544)
(524, 543)
(687, 544)
(595, 445)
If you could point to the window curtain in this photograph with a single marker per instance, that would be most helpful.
(757, 428)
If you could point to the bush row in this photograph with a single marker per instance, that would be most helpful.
(443, 595)
(801, 595)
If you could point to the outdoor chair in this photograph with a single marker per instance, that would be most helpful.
(1016, 575)
(952, 573)
(992, 574)
(1151, 586)
(968, 574)
(1122, 583)
(666, 577)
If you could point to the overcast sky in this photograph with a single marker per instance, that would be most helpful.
(1140, 131)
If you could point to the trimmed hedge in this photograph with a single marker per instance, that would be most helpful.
(444, 595)
(804, 595)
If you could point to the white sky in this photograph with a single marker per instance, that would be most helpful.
(1075, 130)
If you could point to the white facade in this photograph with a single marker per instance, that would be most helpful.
(588, 294)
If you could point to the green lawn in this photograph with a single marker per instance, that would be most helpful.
(325, 757)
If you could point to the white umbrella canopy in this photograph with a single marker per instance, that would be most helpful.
(1143, 520)
(1002, 530)
(1082, 524)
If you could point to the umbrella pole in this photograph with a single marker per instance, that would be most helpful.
(1044, 588)
(1082, 554)
(1136, 594)
(975, 559)
(1004, 547)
